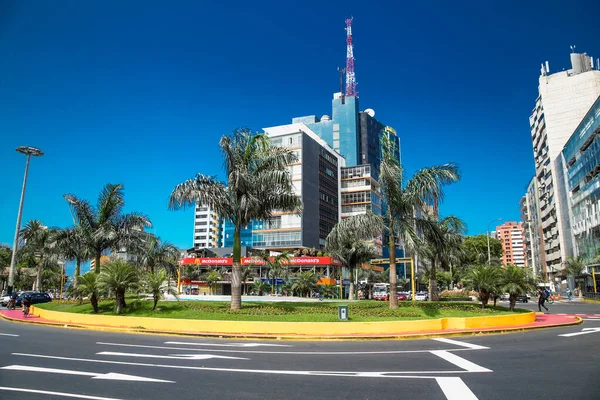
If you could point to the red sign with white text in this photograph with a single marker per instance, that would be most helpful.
(257, 261)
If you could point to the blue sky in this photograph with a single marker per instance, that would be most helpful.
(139, 92)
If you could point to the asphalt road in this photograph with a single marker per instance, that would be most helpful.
(42, 362)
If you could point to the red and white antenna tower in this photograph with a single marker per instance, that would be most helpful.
(350, 78)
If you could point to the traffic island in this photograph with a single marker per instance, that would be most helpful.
(389, 329)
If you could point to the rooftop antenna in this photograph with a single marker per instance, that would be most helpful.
(341, 72)
(572, 48)
(350, 78)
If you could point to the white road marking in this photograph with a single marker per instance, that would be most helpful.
(459, 361)
(455, 389)
(457, 343)
(8, 334)
(111, 376)
(309, 353)
(171, 356)
(230, 344)
(62, 394)
(376, 374)
(592, 319)
(584, 331)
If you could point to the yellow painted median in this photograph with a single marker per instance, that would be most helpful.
(287, 328)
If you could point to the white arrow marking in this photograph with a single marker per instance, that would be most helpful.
(109, 376)
(584, 331)
(455, 389)
(458, 343)
(230, 344)
(171, 356)
(459, 361)
(61, 394)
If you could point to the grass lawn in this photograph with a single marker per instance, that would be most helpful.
(285, 312)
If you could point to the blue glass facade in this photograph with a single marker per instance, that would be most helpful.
(581, 156)
(227, 231)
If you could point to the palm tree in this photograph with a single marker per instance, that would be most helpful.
(575, 267)
(40, 241)
(247, 273)
(407, 203)
(277, 266)
(515, 281)
(486, 279)
(118, 277)
(156, 282)
(104, 226)
(155, 254)
(443, 239)
(328, 291)
(89, 287)
(305, 283)
(72, 245)
(350, 242)
(261, 287)
(258, 183)
(212, 277)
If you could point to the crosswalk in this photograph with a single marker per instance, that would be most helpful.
(152, 367)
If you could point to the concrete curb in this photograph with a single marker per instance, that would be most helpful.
(399, 336)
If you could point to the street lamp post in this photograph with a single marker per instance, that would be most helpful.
(488, 239)
(28, 151)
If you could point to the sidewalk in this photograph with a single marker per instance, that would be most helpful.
(542, 321)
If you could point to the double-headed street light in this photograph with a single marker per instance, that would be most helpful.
(488, 239)
(28, 151)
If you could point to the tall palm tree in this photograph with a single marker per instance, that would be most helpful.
(155, 254)
(104, 226)
(350, 242)
(515, 281)
(118, 277)
(72, 245)
(443, 245)
(406, 204)
(305, 283)
(258, 183)
(40, 241)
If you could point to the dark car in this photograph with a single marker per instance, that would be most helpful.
(36, 298)
(522, 298)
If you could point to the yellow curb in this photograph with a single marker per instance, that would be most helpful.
(407, 336)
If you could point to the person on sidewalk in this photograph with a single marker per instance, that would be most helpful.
(569, 294)
(542, 299)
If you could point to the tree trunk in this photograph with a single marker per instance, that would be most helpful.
(94, 301)
(38, 278)
(484, 297)
(512, 302)
(97, 263)
(156, 297)
(118, 303)
(393, 272)
(77, 273)
(351, 291)
(236, 275)
(122, 298)
(433, 293)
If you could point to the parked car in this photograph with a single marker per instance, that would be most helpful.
(402, 297)
(421, 296)
(6, 298)
(36, 298)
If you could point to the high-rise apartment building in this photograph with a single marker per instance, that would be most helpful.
(206, 227)
(534, 244)
(512, 236)
(581, 157)
(564, 98)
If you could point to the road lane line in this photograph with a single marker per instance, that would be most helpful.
(110, 376)
(375, 374)
(459, 361)
(63, 394)
(8, 334)
(170, 356)
(457, 343)
(230, 344)
(310, 353)
(455, 389)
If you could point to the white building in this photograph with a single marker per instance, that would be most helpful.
(564, 99)
(206, 227)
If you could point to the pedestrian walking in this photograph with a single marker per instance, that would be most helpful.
(569, 294)
(542, 299)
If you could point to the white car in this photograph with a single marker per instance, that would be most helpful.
(4, 300)
(421, 296)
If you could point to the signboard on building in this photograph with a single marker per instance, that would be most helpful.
(256, 261)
